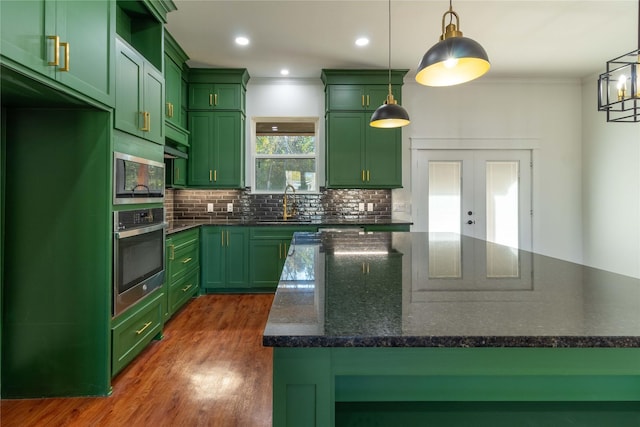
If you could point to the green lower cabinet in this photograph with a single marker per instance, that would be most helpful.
(389, 227)
(225, 259)
(268, 248)
(134, 330)
(182, 271)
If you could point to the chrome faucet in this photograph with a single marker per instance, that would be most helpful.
(286, 213)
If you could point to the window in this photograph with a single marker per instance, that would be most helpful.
(285, 153)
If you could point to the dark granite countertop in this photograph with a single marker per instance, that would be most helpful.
(182, 225)
(439, 290)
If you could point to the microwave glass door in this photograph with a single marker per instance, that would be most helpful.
(137, 180)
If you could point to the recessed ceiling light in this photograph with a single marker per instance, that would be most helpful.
(284, 72)
(242, 41)
(362, 41)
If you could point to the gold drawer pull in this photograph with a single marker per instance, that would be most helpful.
(185, 289)
(362, 175)
(65, 45)
(173, 252)
(215, 99)
(368, 175)
(56, 50)
(186, 260)
(146, 121)
(210, 99)
(146, 325)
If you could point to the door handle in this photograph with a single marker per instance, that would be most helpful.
(65, 45)
(56, 51)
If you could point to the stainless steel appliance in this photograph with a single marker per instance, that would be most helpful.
(138, 255)
(137, 180)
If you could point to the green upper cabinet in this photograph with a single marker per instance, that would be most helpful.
(225, 258)
(139, 95)
(216, 154)
(358, 97)
(357, 155)
(217, 89)
(175, 92)
(69, 41)
(203, 96)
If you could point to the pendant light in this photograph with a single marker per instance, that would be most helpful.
(454, 59)
(389, 114)
(619, 87)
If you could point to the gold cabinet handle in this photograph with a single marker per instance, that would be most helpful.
(65, 46)
(210, 99)
(146, 121)
(367, 100)
(368, 265)
(363, 268)
(215, 99)
(363, 100)
(362, 175)
(215, 175)
(221, 237)
(146, 325)
(173, 252)
(56, 50)
(169, 110)
(368, 175)
(210, 175)
(186, 288)
(227, 238)
(186, 260)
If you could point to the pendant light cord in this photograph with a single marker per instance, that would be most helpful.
(390, 45)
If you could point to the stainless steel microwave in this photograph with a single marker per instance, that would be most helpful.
(137, 180)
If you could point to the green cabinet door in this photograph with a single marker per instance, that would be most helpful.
(345, 150)
(266, 262)
(225, 258)
(180, 172)
(352, 97)
(82, 32)
(216, 155)
(359, 156)
(383, 157)
(219, 96)
(139, 95)
(173, 91)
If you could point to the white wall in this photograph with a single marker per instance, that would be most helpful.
(546, 112)
(611, 189)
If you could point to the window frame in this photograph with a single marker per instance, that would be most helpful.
(254, 156)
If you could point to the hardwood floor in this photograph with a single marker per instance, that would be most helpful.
(210, 369)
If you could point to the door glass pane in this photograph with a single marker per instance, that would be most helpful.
(445, 189)
(502, 202)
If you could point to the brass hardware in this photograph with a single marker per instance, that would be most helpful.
(186, 260)
(173, 252)
(368, 175)
(286, 213)
(210, 175)
(215, 99)
(146, 121)
(215, 175)
(65, 45)
(368, 265)
(363, 268)
(177, 173)
(227, 238)
(362, 175)
(187, 288)
(146, 325)
(279, 250)
(169, 110)
(367, 100)
(221, 237)
(56, 51)
(363, 100)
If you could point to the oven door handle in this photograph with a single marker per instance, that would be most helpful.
(137, 231)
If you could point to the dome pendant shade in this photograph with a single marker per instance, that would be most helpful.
(389, 115)
(452, 61)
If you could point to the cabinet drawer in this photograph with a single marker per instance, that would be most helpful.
(183, 258)
(182, 290)
(131, 334)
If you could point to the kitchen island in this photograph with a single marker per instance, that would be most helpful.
(439, 329)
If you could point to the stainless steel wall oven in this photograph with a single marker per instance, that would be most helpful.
(138, 255)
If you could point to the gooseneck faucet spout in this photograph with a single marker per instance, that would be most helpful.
(286, 213)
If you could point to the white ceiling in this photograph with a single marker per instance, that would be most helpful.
(542, 38)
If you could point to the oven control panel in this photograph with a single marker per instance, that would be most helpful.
(126, 220)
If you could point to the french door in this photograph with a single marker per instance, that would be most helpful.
(484, 194)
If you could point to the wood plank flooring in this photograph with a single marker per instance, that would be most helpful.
(210, 369)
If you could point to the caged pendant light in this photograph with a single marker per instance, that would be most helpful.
(619, 86)
(454, 59)
(389, 114)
